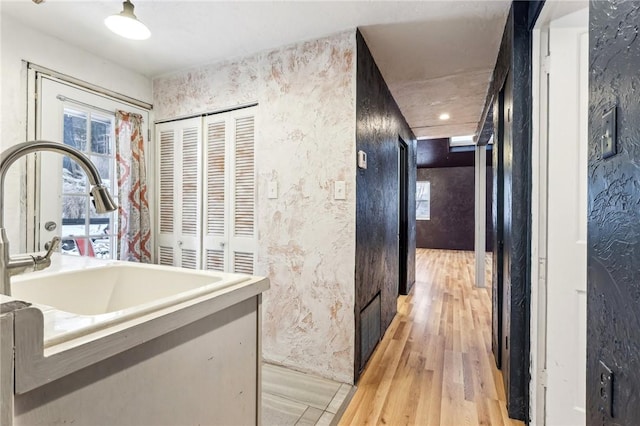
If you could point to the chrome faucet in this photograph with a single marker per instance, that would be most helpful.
(23, 263)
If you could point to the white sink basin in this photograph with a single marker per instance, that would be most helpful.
(116, 287)
(97, 294)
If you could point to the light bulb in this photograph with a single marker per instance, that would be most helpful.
(126, 24)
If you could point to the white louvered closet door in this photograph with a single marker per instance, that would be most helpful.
(180, 172)
(229, 242)
(214, 241)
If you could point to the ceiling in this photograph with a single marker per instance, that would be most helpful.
(436, 56)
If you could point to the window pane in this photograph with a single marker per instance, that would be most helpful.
(105, 168)
(69, 246)
(74, 179)
(101, 135)
(102, 224)
(75, 129)
(74, 211)
(99, 225)
(103, 247)
(84, 246)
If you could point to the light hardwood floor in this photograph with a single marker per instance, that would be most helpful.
(434, 365)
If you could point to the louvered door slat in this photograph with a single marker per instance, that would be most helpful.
(215, 260)
(190, 178)
(243, 263)
(244, 179)
(189, 259)
(167, 161)
(215, 204)
(165, 256)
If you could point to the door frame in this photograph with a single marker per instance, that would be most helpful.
(32, 72)
(403, 215)
(497, 277)
(539, 90)
(539, 206)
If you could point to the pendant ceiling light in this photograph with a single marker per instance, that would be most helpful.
(126, 24)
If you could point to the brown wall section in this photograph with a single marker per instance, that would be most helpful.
(380, 125)
(436, 153)
(452, 223)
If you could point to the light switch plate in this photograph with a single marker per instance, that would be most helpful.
(339, 190)
(272, 190)
(609, 135)
(362, 159)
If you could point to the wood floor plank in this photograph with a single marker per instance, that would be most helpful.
(434, 365)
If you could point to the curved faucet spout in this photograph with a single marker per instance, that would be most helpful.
(101, 199)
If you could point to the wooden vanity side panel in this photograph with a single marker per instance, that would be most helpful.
(6, 369)
(203, 373)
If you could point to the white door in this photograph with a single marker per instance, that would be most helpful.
(179, 193)
(215, 232)
(84, 120)
(229, 238)
(567, 219)
(207, 192)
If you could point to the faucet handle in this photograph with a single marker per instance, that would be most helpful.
(42, 262)
(51, 246)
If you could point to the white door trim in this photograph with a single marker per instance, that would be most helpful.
(540, 162)
(538, 227)
(480, 213)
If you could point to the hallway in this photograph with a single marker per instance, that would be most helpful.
(434, 365)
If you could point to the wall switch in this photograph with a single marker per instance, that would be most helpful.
(609, 137)
(272, 190)
(362, 159)
(339, 190)
(605, 391)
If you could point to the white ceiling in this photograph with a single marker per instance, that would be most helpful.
(436, 56)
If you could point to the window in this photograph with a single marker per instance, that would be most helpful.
(423, 200)
(85, 120)
(83, 231)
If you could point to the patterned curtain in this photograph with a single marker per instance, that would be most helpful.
(134, 224)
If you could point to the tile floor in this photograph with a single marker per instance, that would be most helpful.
(293, 398)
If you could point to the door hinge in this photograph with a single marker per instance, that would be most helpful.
(542, 378)
(542, 269)
(546, 63)
(148, 135)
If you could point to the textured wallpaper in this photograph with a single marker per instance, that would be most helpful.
(305, 141)
(380, 127)
(613, 233)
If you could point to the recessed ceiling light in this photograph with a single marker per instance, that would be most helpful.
(126, 24)
(444, 116)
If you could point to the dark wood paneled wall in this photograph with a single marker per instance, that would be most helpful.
(379, 126)
(452, 223)
(436, 153)
(510, 95)
(613, 253)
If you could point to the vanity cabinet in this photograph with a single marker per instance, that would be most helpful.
(207, 192)
(184, 359)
